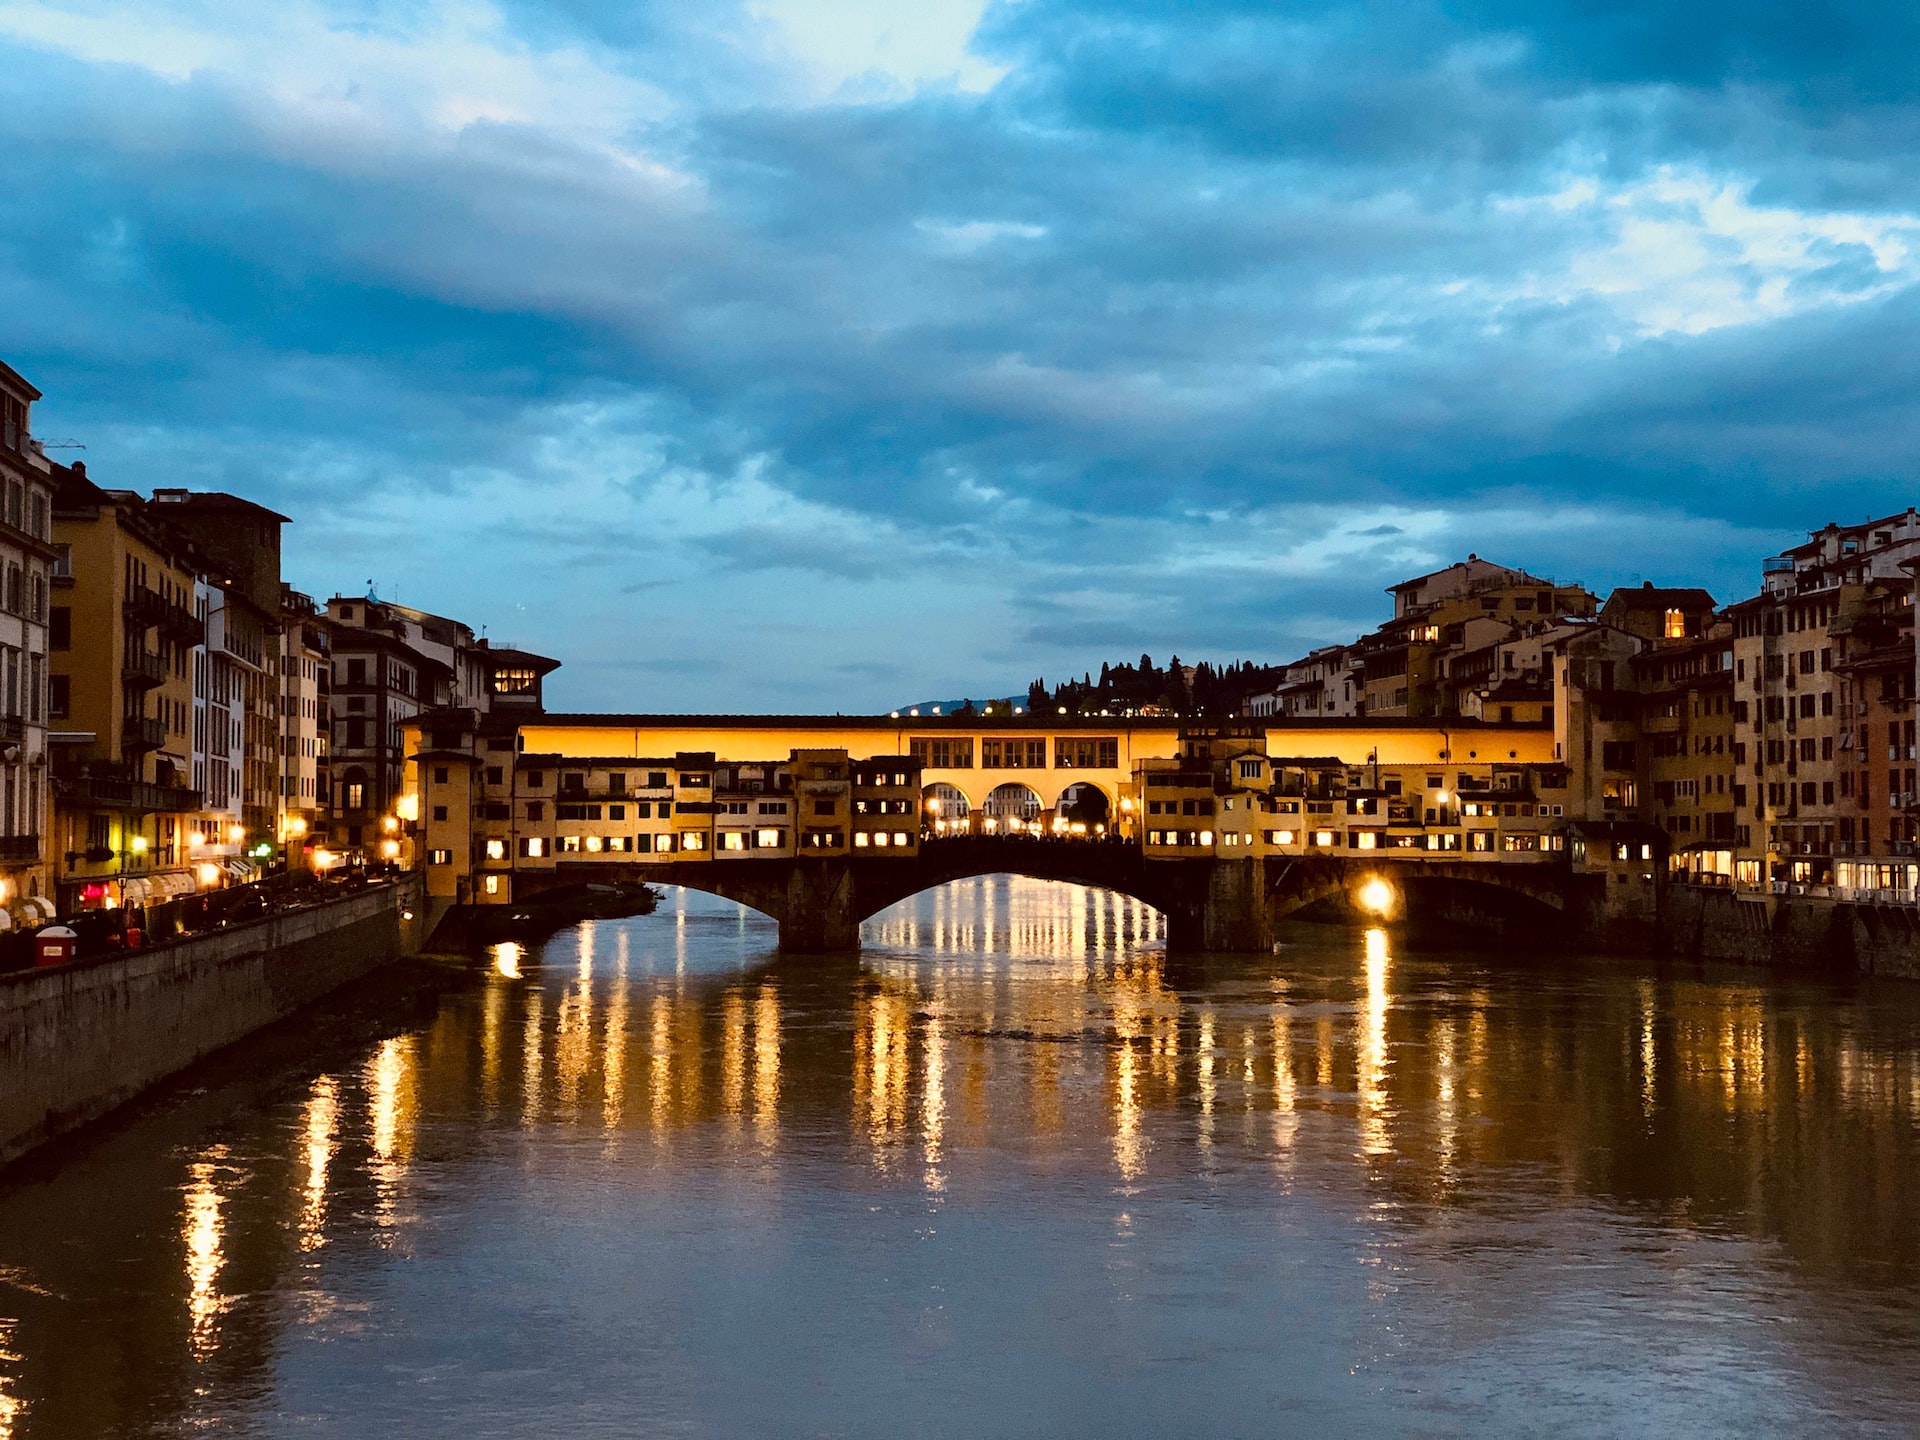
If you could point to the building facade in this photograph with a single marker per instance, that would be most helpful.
(27, 560)
(123, 634)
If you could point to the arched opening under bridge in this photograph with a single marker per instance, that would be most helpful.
(1005, 915)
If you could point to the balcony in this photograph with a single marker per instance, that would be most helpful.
(142, 670)
(19, 848)
(136, 795)
(140, 733)
(13, 729)
(145, 606)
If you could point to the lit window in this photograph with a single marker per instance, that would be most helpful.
(1365, 840)
(535, 847)
(618, 842)
(693, 840)
(440, 857)
(1206, 837)
(899, 837)
(1676, 625)
(1323, 838)
(860, 840)
(733, 840)
(766, 839)
(1280, 837)
(1153, 837)
(593, 844)
(496, 849)
(493, 885)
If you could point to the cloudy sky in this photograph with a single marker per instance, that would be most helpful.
(837, 353)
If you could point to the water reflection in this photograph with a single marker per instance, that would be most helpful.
(1511, 1136)
(321, 1124)
(202, 1229)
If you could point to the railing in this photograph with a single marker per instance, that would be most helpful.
(143, 732)
(145, 605)
(142, 670)
(128, 794)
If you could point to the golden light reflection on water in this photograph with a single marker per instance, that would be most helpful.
(882, 1067)
(13, 1409)
(321, 1122)
(766, 1064)
(733, 1055)
(1209, 1087)
(1372, 1061)
(390, 1083)
(506, 958)
(203, 1231)
(613, 1060)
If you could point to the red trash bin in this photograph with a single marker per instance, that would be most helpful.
(54, 945)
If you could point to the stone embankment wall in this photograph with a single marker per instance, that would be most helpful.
(77, 1040)
(1792, 930)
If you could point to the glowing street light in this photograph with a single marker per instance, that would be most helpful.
(1375, 897)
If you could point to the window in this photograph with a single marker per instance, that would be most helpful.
(1676, 625)
(60, 697)
(440, 857)
(356, 795)
(440, 812)
(439, 774)
(824, 807)
(944, 754)
(533, 847)
(60, 628)
(536, 779)
(536, 810)
(1075, 753)
(356, 672)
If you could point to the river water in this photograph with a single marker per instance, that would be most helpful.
(1012, 1172)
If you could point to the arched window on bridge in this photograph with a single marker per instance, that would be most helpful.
(947, 810)
(1084, 809)
(1011, 808)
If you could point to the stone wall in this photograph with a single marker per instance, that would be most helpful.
(1792, 930)
(78, 1040)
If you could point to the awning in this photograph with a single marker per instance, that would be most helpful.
(239, 869)
(39, 907)
(133, 892)
(172, 883)
(6, 920)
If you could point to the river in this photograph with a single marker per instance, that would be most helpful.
(1012, 1172)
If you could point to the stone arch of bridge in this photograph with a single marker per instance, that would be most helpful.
(1539, 890)
(1102, 866)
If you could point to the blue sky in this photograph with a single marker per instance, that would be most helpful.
(827, 354)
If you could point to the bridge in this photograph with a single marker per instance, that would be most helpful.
(1210, 904)
(822, 822)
